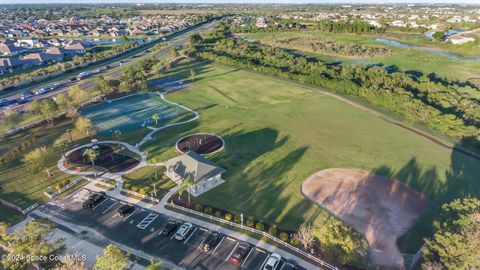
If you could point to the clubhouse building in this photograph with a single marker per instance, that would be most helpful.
(204, 174)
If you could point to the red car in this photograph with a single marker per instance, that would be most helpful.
(240, 252)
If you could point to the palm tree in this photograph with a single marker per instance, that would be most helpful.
(156, 117)
(185, 185)
(91, 155)
(62, 144)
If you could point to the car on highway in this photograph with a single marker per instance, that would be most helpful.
(290, 265)
(26, 95)
(6, 102)
(42, 90)
(83, 75)
(125, 210)
(211, 241)
(272, 262)
(240, 252)
(183, 231)
(169, 227)
(94, 199)
(58, 84)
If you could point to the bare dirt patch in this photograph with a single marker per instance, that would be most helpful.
(380, 208)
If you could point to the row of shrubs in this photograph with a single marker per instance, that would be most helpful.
(251, 223)
(60, 185)
(15, 151)
(144, 190)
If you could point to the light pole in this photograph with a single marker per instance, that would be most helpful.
(241, 220)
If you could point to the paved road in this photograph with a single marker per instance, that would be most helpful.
(116, 66)
(141, 230)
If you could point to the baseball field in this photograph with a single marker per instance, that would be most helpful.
(279, 133)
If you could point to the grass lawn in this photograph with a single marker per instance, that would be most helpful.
(19, 184)
(407, 59)
(141, 177)
(278, 133)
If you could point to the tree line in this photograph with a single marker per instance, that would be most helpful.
(448, 108)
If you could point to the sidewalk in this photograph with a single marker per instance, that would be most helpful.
(160, 208)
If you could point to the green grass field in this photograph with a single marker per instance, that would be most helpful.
(278, 133)
(19, 184)
(407, 59)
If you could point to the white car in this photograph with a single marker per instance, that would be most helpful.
(272, 262)
(183, 231)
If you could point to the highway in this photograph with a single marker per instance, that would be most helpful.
(116, 66)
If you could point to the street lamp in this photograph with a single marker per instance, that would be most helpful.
(69, 131)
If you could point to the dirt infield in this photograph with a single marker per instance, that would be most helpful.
(107, 158)
(380, 208)
(201, 143)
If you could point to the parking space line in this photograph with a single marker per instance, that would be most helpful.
(246, 258)
(147, 221)
(173, 235)
(259, 250)
(190, 236)
(201, 244)
(99, 204)
(231, 239)
(218, 245)
(232, 251)
(202, 229)
(283, 265)
(106, 210)
(130, 214)
(264, 262)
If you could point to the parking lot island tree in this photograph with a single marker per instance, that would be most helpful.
(113, 259)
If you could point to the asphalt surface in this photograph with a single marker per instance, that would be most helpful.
(88, 84)
(141, 230)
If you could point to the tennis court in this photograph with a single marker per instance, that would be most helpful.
(130, 113)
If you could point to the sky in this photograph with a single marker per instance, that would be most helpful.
(243, 1)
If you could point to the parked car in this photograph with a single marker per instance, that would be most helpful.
(212, 240)
(240, 252)
(290, 265)
(183, 231)
(273, 262)
(125, 210)
(169, 227)
(94, 200)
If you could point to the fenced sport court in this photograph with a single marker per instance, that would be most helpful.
(130, 113)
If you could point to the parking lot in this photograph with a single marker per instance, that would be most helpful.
(141, 230)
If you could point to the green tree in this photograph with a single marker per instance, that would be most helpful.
(340, 242)
(84, 124)
(48, 109)
(187, 184)
(12, 118)
(456, 241)
(195, 39)
(77, 95)
(155, 265)
(39, 159)
(61, 144)
(31, 240)
(113, 259)
(155, 118)
(101, 85)
(92, 155)
(439, 35)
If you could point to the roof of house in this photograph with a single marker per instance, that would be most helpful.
(193, 165)
(75, 46)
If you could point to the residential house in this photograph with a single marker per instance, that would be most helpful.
(10, 49)
(204, 174)
(136, 32)
(57, 32)
(75, 48)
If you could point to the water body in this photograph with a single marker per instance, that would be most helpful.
(450, 56)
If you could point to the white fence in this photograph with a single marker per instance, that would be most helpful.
(63, 189)
(102, 183)
(140, 195)
(30, 208)
(262, 233)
